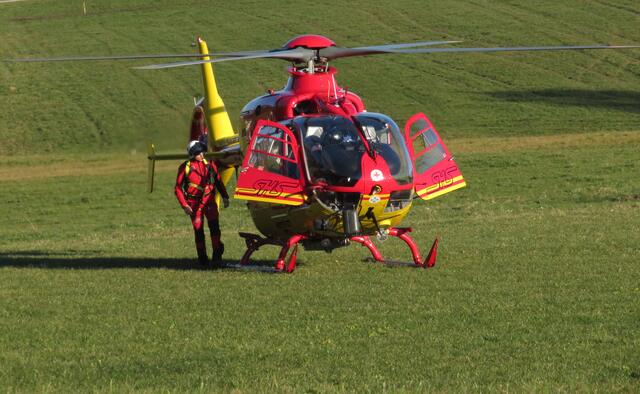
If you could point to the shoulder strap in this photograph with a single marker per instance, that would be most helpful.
(187, 169)
(213, 172)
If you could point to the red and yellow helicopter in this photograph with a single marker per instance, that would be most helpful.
(318, 169)
(315, 167)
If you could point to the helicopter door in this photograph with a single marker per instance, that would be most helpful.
(435, 171)
(270, 171)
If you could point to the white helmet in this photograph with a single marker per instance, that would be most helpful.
(195, 148)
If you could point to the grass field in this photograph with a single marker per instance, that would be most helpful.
(537, 287)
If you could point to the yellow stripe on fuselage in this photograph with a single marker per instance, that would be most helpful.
(259, 195)
(444, 191)
(269, 200)
(437, 190)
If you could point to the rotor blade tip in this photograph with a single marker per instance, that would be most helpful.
(144, 67)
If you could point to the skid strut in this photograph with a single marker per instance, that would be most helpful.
(254, 242)
(289, 248)
(366, 241)
(403, 234)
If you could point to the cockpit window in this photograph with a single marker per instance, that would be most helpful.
(273, 152)
(385, 139)
(333, 148)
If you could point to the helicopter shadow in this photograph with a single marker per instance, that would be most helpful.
(619, 100)
(66, 260)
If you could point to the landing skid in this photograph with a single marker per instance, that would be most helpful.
(403, 234)
(286, 262)
(254, 242)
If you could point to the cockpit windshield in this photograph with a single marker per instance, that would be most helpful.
(385, 139)
(333, 148)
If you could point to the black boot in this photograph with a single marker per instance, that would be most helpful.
(216, 258)
(203, 259)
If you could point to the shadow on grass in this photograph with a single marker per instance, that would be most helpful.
(47, 260)
(620, 100)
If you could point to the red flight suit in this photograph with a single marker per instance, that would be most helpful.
(195, 187)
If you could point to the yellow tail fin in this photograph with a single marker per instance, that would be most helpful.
(214, 109)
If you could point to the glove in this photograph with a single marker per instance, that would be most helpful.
(225, 202)
(187, 209)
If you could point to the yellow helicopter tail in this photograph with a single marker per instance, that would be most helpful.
(217, 117)
(224, 147)
(214, 109)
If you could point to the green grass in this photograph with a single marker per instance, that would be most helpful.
(537, 286)
(58, 107)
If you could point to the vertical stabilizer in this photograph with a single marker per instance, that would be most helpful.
(215, 111)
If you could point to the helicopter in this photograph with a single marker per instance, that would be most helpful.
(315, 168)
(318, 169)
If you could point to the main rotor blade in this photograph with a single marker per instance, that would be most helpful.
(331, 53)
(127, 57)
(301, 54)
(372, 47)
(406, 45)
(296, 54)
(510, 49)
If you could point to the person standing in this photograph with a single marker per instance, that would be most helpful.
(196, 184)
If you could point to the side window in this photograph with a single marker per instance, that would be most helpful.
(436, 173)
(428, 152)
(273, 151)
(429, 158)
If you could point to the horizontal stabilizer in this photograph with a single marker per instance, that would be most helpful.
(229, 157)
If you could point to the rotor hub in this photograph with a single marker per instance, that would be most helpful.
(310, 41)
